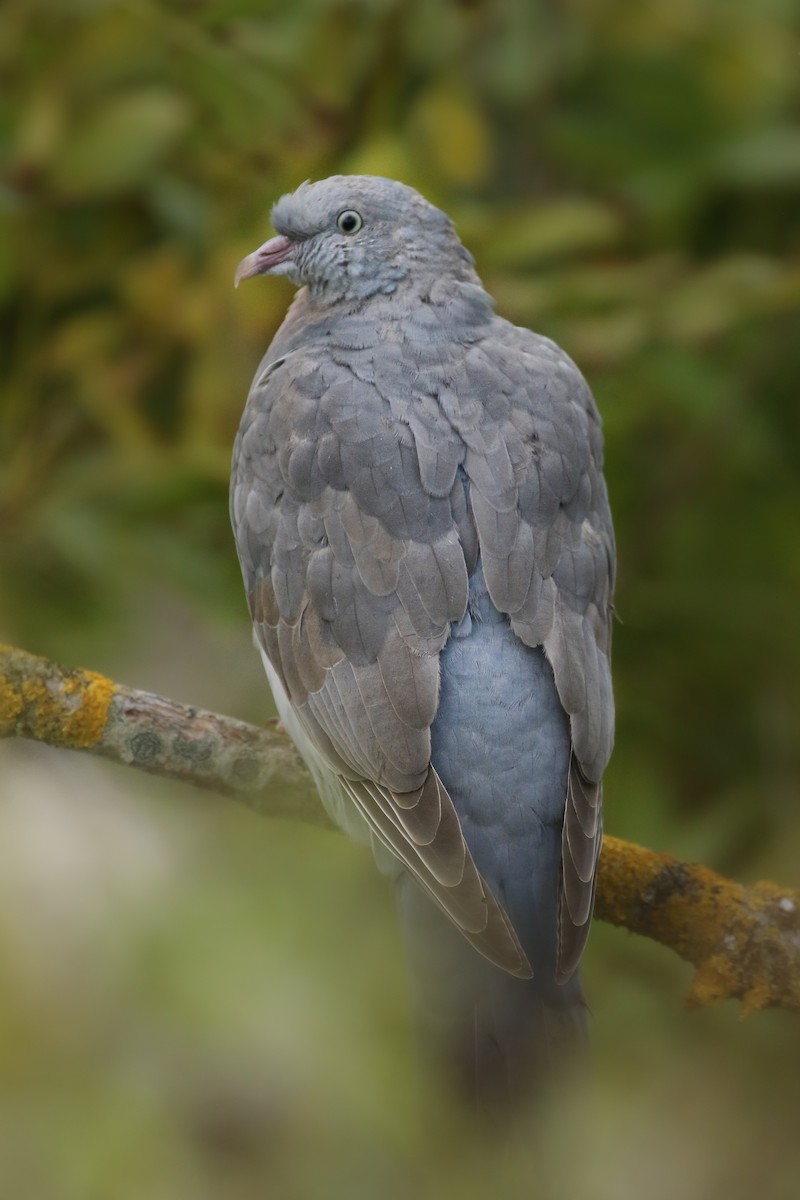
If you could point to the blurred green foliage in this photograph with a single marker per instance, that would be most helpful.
(628, 177)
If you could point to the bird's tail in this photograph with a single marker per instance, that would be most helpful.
(497, 1039)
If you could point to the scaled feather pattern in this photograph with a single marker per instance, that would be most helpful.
(427, 549)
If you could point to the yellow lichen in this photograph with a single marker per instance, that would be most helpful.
(11, 705)
(67, 708)
(759, 995)
(714, 981)
(734, 936)
(85, 724)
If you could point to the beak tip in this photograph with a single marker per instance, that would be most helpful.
(262, 261)
(244, 270)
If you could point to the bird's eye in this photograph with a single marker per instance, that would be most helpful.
(349, 221)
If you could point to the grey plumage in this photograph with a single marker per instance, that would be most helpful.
(426, 544)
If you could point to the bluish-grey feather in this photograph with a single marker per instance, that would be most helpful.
(424, 533)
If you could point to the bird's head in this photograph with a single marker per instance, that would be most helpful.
(355, 236)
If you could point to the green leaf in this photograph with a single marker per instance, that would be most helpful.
(450, 130)
(764, 157)
(119, 145)
(552, 230)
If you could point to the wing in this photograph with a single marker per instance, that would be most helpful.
(354, 570)
(541, 509)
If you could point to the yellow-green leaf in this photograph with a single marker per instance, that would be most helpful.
(119, 144)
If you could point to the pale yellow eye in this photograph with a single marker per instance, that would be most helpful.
(349, 221)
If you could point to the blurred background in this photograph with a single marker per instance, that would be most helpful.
(196, 1002)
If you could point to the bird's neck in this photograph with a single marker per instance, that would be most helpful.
(424, 305)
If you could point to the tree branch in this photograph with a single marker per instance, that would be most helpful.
(743, 941)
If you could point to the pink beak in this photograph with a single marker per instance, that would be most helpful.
(261, 261)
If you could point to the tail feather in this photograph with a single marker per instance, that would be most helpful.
(496, 1039)
(502, 745)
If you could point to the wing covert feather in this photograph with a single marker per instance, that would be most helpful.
(361, 500)
(548, 559)
(355, 571)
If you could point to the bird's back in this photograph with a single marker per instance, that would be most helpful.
(501, 745)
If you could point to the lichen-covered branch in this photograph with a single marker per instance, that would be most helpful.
(743, 941)
(81, 710)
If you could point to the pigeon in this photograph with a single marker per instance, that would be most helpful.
(424, 533)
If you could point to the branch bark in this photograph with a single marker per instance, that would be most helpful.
(744, 942)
